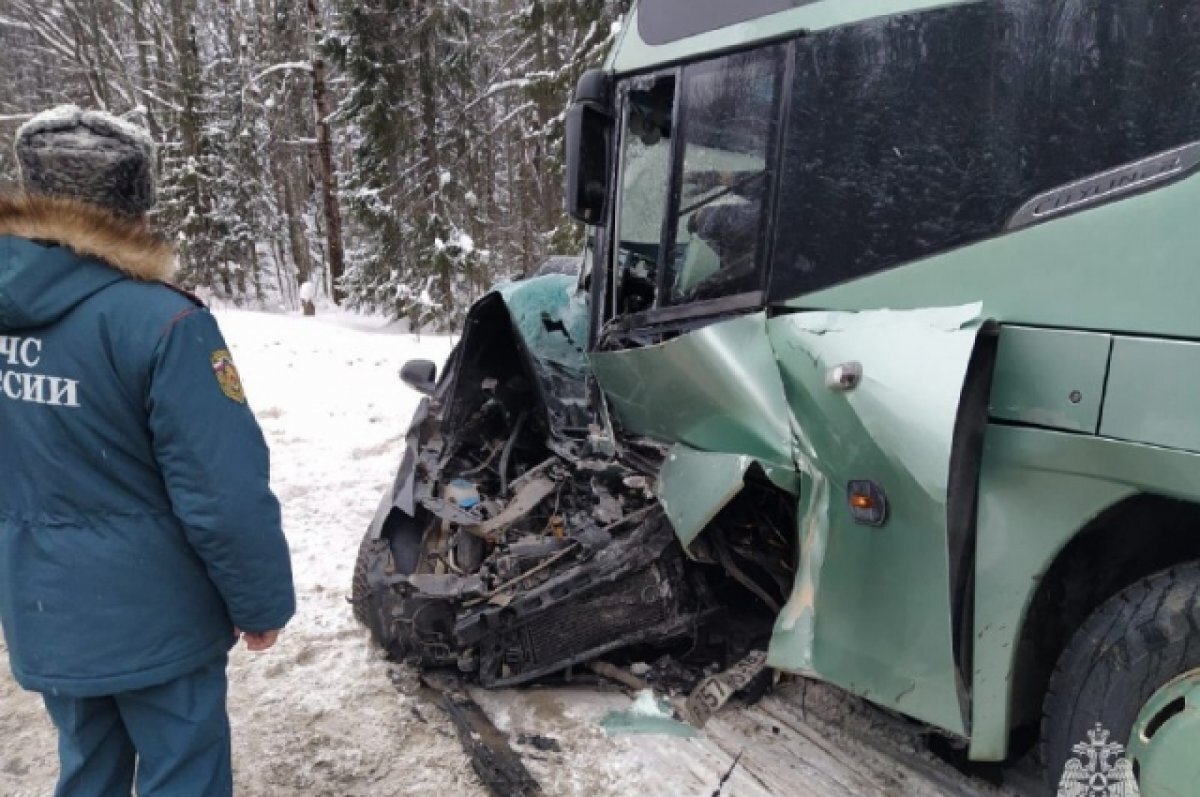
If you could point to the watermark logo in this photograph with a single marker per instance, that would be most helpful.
(1099, 769)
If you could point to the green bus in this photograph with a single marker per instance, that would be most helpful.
(851, 364)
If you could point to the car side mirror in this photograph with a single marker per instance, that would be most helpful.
(587, 136)
(420, 375)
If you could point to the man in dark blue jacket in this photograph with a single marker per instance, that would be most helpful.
(138, 534)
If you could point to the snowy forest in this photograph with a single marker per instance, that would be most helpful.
(398, 155)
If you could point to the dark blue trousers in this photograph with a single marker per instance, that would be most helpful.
(175, 737)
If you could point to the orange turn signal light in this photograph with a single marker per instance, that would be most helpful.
(868, 503)
(864, 502)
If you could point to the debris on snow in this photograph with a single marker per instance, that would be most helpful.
(500, 768)
(647, 715)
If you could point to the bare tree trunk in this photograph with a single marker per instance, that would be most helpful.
(97, 47)
(286, 288)
(296, 237)
(145, 78)
(329, 182)
(184, 34)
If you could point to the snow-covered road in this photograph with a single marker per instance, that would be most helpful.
(319, 715)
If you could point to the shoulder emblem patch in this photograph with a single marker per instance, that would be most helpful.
(227, 375)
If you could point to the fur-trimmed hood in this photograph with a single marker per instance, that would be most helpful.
(90, 232)
(56, 253)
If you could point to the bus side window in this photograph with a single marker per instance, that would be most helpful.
(730, 110)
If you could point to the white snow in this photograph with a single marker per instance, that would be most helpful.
(289, 66)
(65, 115)
(646, 704)
(60, 114)
(463, 241)
(318, 716)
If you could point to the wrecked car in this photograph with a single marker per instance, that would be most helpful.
(519, 539)
(856, 370)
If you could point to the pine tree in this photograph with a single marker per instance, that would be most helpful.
(446, 129)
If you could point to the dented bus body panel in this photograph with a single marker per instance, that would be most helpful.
(721, 382)
(693, 486)
(752, 388)
(890, 582)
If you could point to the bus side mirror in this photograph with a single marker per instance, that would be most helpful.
(420, 375)
(588, 132)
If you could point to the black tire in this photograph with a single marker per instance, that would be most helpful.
(1131, 646)
(366, 608)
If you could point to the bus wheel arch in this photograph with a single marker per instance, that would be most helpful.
(1126, 543)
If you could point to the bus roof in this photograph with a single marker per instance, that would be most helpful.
(653, 40)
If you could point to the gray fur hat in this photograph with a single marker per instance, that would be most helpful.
(90, 156)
